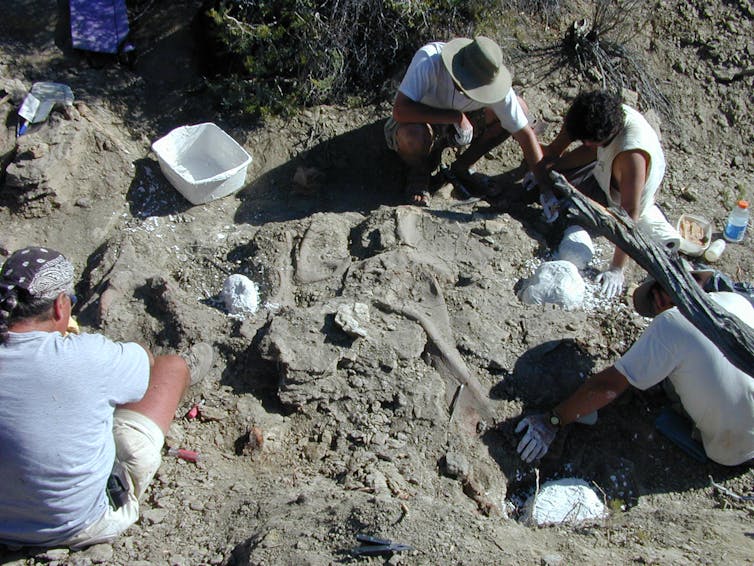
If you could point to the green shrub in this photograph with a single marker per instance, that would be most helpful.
(276, 55)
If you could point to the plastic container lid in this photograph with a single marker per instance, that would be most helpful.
(743, 203)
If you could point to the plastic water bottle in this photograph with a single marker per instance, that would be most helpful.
(737, 221)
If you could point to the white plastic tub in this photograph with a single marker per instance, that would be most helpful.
(696, 233)
(202, 162)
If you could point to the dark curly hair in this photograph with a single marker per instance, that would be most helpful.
(18, 304)
(595, 116)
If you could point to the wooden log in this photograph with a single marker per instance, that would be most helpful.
(734, 338)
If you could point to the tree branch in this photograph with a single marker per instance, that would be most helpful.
(734, 338)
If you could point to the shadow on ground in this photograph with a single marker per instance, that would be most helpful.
(350, 172)
(623, 454)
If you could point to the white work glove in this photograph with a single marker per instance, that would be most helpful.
(551, 206)
(610, 281)
(537, 438)
(529, 181)
(464, 135)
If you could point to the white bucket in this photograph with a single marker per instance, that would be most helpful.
(202, 162)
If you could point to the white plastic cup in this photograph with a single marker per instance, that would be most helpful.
(715, 250)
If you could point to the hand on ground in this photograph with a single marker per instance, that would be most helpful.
(537, 438)
(611, 282)
(464, 133)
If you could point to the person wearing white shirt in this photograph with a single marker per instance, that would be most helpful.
(457, 94)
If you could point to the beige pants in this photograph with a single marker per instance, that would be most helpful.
(138, 446)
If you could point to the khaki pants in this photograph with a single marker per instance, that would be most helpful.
(138, 445)
(441, 133)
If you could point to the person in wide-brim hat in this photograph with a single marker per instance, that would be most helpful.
(714, 395)
(644, 297)
(477, 68)
(457, 94)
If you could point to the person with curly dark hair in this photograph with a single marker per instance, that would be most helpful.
(619, 163)
(594, 117)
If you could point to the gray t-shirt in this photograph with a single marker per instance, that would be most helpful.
(57, 398)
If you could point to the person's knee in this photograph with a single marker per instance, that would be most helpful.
(414, 140)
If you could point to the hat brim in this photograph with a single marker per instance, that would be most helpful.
(489, 93)
(643, 300)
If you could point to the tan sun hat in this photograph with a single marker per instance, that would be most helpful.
(643, 300)
(476, 66)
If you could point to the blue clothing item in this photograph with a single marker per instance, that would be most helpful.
(57, 398)
(99, 25)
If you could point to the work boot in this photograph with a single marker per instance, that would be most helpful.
(199, 359)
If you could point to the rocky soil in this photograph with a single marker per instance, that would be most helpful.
(335, 409)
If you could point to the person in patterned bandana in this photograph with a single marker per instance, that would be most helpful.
(82, 418)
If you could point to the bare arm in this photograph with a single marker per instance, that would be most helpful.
(577, 157)
(599, 390)
(407, 111)
(555, 153)
(629, 176)
(533, 155)
(557, 147)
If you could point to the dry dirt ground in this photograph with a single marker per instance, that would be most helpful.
(357, 435)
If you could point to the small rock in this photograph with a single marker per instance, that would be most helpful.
(456, 466)
(99, 553)
(84, 202)
(15, 89)
(54, 554)
(551, 560)
(154, 516)
(688, 195)
(255, 440)
(307, 179)
(211, 413)
(175, 435)
(351, 319)
(379, 438)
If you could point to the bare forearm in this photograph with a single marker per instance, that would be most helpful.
(620, 259)
(532, 151)
(599, 390)
(557, 147)
(578, 157)
(407, 111)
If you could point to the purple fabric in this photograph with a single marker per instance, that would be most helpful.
(99, 25)
(43, 272)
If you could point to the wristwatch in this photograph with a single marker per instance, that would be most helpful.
(554, 419)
